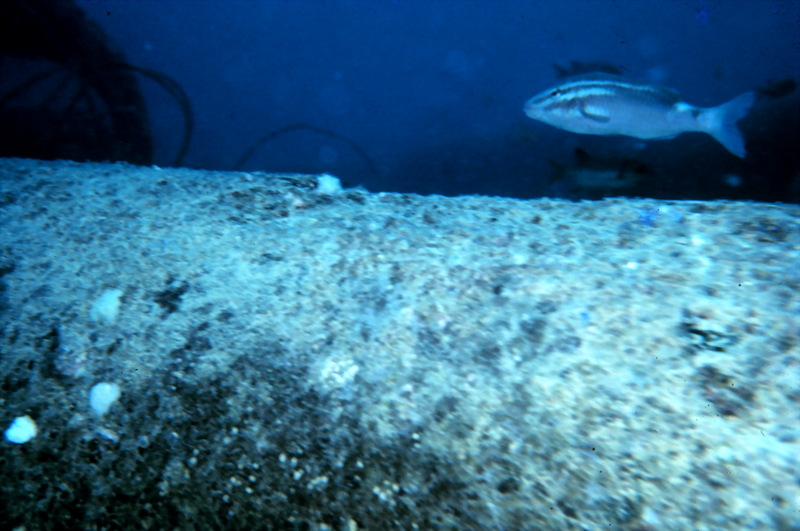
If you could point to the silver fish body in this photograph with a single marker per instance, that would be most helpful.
(609, 105)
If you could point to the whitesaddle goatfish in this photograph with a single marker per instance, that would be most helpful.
(609, 105)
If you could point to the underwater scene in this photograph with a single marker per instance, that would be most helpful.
(400, 265)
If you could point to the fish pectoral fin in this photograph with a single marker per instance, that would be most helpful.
(595, 113)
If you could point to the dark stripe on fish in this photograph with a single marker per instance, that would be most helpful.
(566, 94)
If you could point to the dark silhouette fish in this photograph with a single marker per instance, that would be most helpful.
(599, 175)
(580, 68)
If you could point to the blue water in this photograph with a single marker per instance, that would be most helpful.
(426, 96)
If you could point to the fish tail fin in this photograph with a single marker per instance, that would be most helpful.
(720, 122)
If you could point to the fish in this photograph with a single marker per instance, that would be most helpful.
(612, 105)
(599, 175)
(777, 89)
(579, 68)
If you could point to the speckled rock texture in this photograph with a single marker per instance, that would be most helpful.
(291, 359)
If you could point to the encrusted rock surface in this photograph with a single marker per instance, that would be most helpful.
(296, 359)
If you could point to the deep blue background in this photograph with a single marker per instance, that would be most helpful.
(433, 91)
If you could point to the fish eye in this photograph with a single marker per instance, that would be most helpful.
(555, 92)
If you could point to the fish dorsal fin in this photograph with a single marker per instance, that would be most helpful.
(581, 157)
(595, 113)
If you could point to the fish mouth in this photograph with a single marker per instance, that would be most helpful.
(531, 108)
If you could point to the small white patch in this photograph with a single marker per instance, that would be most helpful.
(318, 483)
(518, 259)
(102, 396)
(107, 434)
(336, 374)
(328, 184)
(106, 308)
(22, 430)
